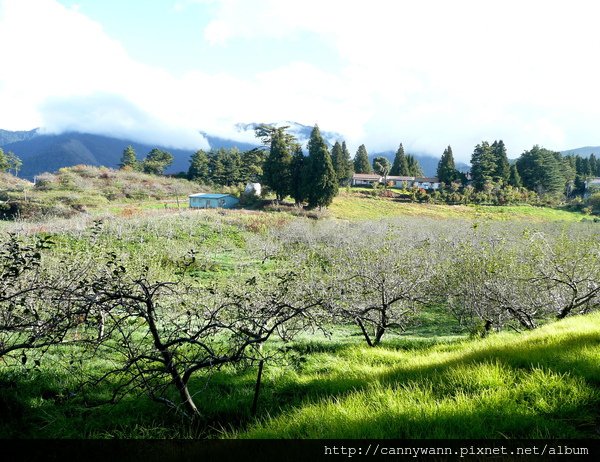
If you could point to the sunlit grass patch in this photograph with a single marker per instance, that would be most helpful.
(538, 384)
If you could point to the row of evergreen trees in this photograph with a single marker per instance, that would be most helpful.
(287, 172)
(403, 165)
(280, 165)
(539, 170)
(154, 163)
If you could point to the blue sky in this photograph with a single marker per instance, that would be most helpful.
(427, 74)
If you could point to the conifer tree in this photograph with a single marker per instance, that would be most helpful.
(297, 172)
(361, 161)
(320, 181)
(340, 157)
(541, 170)
(129, 159)
(347, 162)
(157, 161)
(502, 167)
(400, 165)
(483, 165)
(446, 171)
(199, 167)
(594, 165)
(252, 165)
(414, 167)
(276, 169)
(515, 179)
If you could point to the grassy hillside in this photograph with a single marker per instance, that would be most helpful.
(542, 384)
(84, 188)
(352, 206)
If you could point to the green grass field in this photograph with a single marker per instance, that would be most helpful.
(351, 206)
(541, 384)
(431, 381)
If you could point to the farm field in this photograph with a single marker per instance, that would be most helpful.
(430, 375)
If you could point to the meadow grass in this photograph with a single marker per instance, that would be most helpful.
(351, 206)
(540, 384)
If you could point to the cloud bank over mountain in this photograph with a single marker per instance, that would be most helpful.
(426, 74)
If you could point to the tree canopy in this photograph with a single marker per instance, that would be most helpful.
(321, 184)
(400, 165)
(361, 161)
(157, 161)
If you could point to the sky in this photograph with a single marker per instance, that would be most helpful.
(427, 73)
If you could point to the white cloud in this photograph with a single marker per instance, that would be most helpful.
(427, 73)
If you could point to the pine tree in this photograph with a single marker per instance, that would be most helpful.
(349, 165)
(483, 165)
(129, 159)
(276, 169)
(446, 171)
(297, 172)
(216, 166)
(593, 162)
(199, 164)
(361, 161)
(157, 161)
(252, 165)
(400, 165)
(336, 159)
(502, 166)
(340, 157)
(320, 181)
(541, 171)
(514, 178)
(232, 165)
(414, 167)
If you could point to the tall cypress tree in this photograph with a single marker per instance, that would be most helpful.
(340, 157)
(400, 165)
(414, 167)
(361, 161)
(502, 167)
(276, 169)
(515, 179)
(347, 166)
(320, 181)
(446, 170)
(483, 165)
(199, 170)
(297, 172)
(594, 164)
(252, 165)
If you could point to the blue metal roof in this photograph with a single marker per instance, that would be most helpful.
(210, 196)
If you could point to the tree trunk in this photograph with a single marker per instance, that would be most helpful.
(186, 398)
(257, 387)
(364, 331)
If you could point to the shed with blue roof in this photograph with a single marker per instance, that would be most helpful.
(213, 201)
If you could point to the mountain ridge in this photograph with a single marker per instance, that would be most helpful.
(49, 152)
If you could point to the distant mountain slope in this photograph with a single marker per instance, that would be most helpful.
(7, 136)
(48, 153)
(583, 152)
